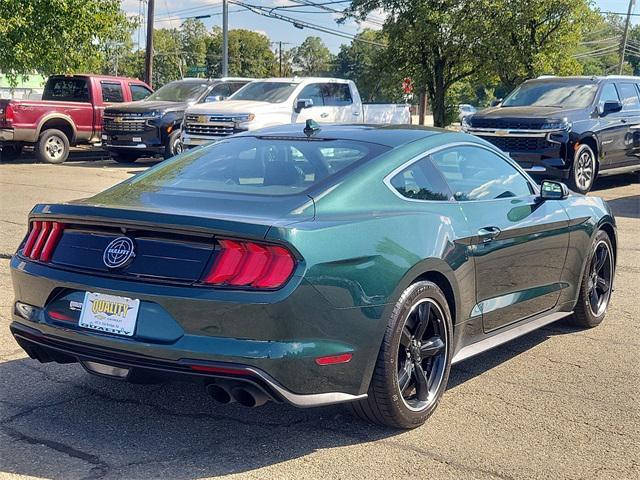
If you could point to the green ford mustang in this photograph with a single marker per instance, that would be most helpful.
(312, 266)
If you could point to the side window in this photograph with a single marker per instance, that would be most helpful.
(234, 87)
(314, 92)
(608, 94)
(629, 96)
(421, 181)
(138, 92)
(337, 94)
(111, 92)
(475, 173)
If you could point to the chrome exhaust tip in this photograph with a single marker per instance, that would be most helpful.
(249, 396)
(220, 394)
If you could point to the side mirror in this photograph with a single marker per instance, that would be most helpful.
(610, 106)
(550, 190)
(303, 103)
(496, 102)
(214, 98)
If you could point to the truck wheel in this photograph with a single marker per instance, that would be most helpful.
(52, 146)
(10, 152)
(174, 145)
(583, 171)
(126, 157)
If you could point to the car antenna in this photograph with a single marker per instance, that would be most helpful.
(311, 127)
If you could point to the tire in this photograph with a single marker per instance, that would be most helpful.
(174, 145)
(126, 157)
(587, 313)
(10, 152)
(52, 146)
(385, 404)
(583, 170)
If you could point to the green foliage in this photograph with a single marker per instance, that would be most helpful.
(370, 68)
(250, 54)
(58, 36)
(312, 58)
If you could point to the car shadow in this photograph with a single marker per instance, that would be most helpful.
(58, 422)
(613, 181)
(475, 366)
(626, 206)
(89, 158)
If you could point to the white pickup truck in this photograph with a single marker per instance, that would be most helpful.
(278, 101)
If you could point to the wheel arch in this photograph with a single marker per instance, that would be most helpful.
(610, 230)
(60, 122)
(591, 140)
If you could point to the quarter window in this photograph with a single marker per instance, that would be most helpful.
(629, 96)
(475, 173)
(421, 181)
(112, 92)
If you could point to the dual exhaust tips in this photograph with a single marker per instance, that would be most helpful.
(244, 393)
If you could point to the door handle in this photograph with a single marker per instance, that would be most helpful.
(324, 115)
(487, 234)
(355, 114)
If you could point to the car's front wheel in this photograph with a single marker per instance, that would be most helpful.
(412, 368)
(583, 171)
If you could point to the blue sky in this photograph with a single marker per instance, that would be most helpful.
(170, 13)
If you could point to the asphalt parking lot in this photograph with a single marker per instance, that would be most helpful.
(558, 403)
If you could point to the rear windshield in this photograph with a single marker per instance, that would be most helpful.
(272, 92)
(66, 89)
(250, 165)
(552, 94)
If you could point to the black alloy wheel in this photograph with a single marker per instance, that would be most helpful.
(412, 368)
(422, 355)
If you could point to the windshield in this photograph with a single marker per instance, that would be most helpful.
(552, 94)
(272, 92)
(250, 165)
(179, 92)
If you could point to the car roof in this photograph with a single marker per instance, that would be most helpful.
(583, 78)
(389, 135)
(98, 77)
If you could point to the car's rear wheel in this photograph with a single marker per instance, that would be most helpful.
(596, 285)
(52, 146)
(583, 171)
(413, 365)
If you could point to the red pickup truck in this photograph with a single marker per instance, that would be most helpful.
(70, 113)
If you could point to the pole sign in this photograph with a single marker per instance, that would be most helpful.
(407, 85)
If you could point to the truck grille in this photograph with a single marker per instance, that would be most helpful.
(520, 144)
(210, 125)
(508, 123)
(123, 124)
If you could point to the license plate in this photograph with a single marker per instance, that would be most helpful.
(109, 313)
(137, 139)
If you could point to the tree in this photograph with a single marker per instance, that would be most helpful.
(312, 57)
(436, 42)
(369, 67)
(536, 37)
(194, 40)
(168, 63)
(57, 36)
(250, 54)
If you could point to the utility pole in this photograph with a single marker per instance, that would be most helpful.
(148, 58)
(280, 56)
(225, 38)
(625, 36)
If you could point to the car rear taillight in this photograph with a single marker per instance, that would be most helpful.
(242, 263)
(42, 240)
(6, 114)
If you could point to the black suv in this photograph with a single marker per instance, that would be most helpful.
(152, 126)
(572, 128)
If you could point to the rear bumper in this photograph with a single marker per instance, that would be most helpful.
(46, 348)
(6, 135)
(276, 335)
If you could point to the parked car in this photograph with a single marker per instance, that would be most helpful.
(464, 110)
(571, 128)
(312, 266)
(153, 126)
(280, 101)
(70, 113)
